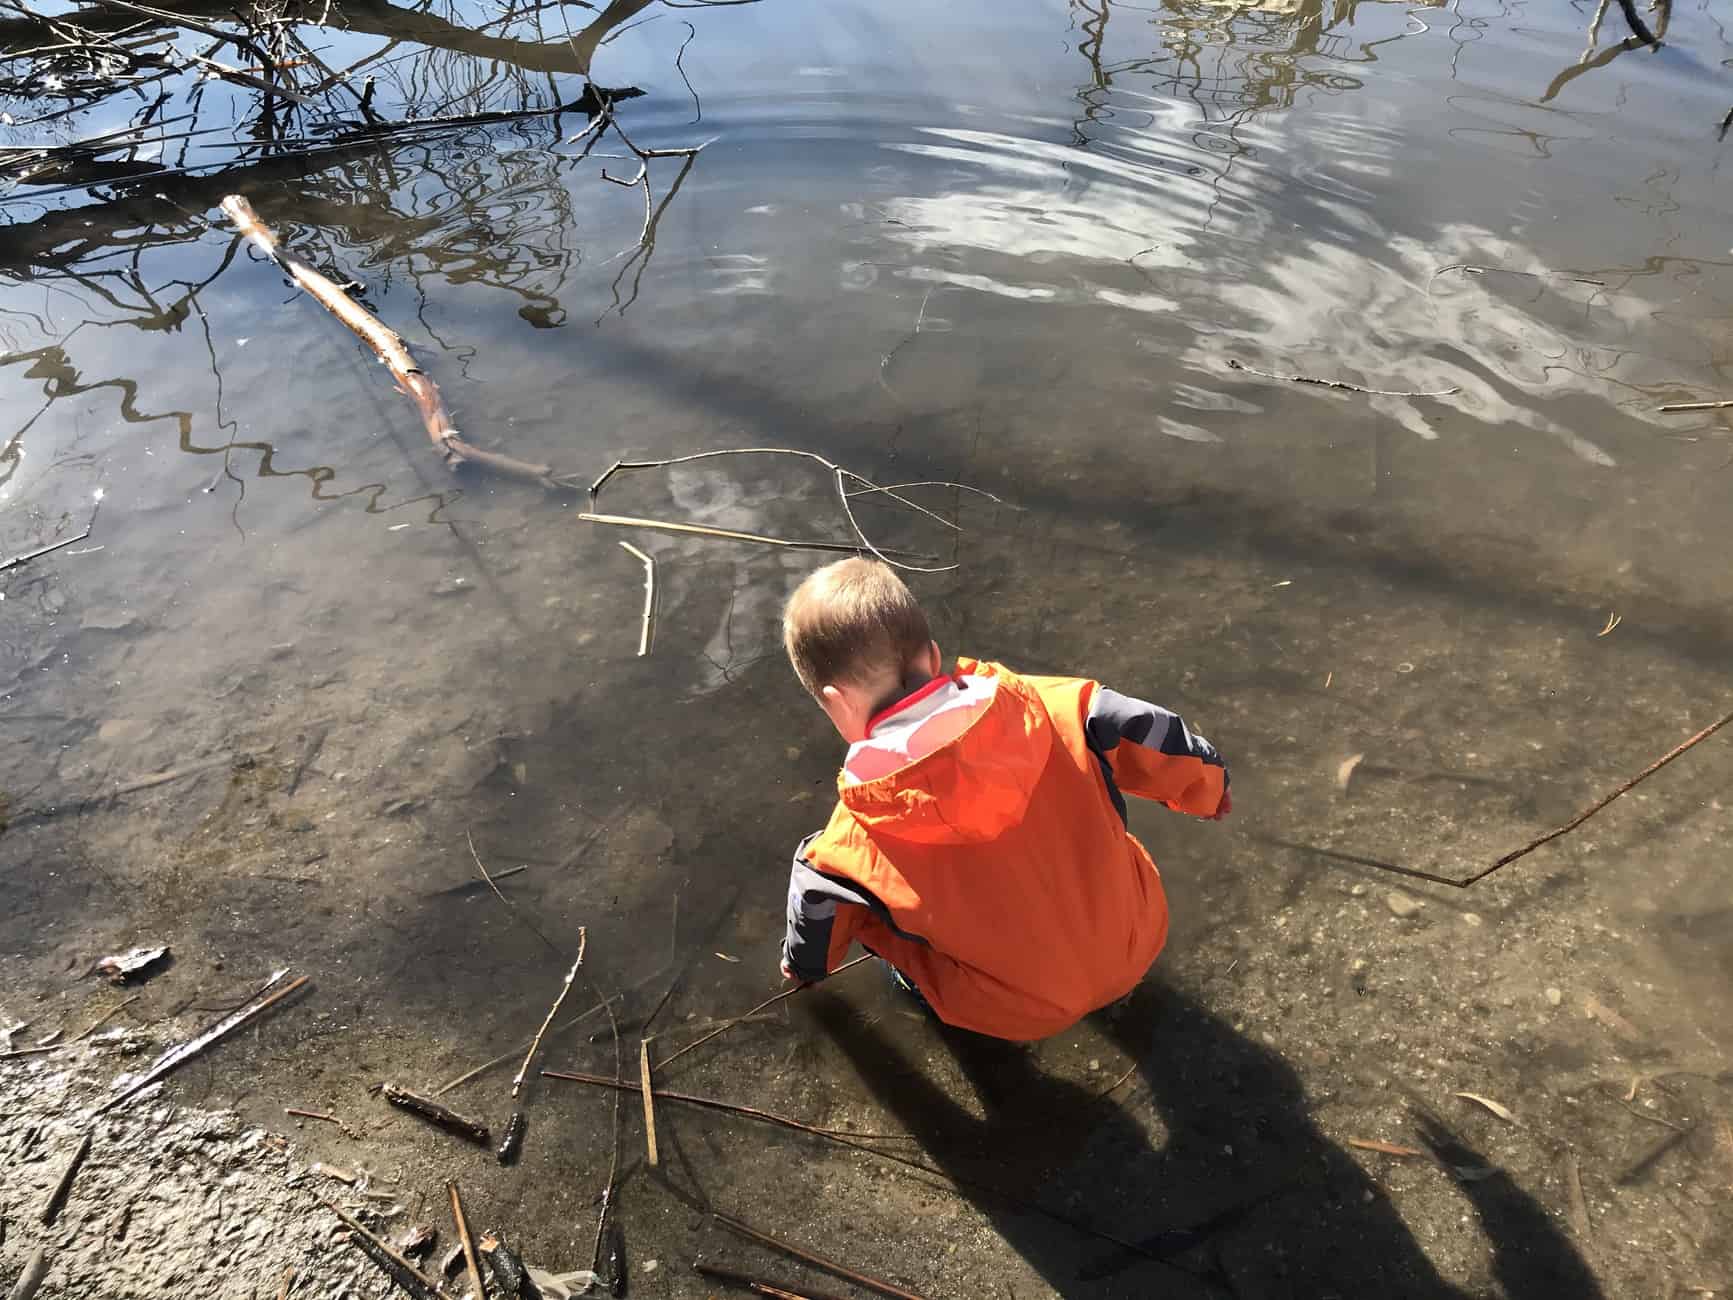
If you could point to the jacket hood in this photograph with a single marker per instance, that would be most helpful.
(973, 787)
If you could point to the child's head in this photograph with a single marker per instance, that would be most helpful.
(854, 635)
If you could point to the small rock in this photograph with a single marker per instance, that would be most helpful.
(1402, 905)
(1471, 919)
(1095, 1063)
(1555, 997)
(651, 1265)
(1359, 891)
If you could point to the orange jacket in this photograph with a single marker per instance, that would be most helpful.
(994, 869)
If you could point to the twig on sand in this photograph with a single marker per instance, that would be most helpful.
(512, 908)
(517, 1082)
(390, 348)
(106, 1016)
(1671, 407)
(175, 1057)
(30, 1280)
(1337, 383)
(841, 478)
(755, 1285)
(648, 630)
(468, 1244)
(768, 1002)
(382, 1250)
(649, 1094)
(862, 1280)
(442, 1116)
(57, 1198)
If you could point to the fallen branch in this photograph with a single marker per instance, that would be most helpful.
(468, 1244)
(175, 1057)
(390, 348)
(565, 988)
(754, 1285)
(1337, 383)
(649, 1095)
(364, 1239)
(862, 1280)
(57, 1198)
(768, 1002)
(648, 629)
(442, 1116)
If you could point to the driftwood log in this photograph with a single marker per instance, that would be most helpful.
(453, 448)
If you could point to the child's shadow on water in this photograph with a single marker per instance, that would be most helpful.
(1245, 1197)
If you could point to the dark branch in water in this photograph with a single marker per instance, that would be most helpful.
(1336, 383)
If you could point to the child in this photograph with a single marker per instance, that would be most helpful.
(978, 843)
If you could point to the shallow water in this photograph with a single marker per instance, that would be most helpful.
(1039, 249)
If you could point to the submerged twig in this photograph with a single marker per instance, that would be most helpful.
(175, 1057)
(862, 1280)
(648, 630)
(1721, 405)
(1337, 383)
(756, 1285)
(434, 1113)
(565, 988)
(619, 1082)
(771, 1001)
(63, 1187)
(726, 534)
(106, 1016)
(40, 551)
(510, 906)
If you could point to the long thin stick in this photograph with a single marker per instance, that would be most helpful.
(402, 1262)
(619, 1082)
(848, 1274)
(107, 1016)
(1594, 808)
(1336, 383)
(648, 629)
(175, 1057)
(768, 1002)
(756, 1286)
(649, 1102)
(55, 546)
(1698, 406)
(957, 1181)
(510, 906)
(727, 534)
(57, 1198)
(504, 1057)
(565, 988)
(468, 1245)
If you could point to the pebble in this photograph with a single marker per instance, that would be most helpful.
(1095, 1063)
(1359, 891)
(651, 1265)
(1402, 905)
(1471, 919)
(1555, 996)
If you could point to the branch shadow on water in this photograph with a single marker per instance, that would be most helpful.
(1245, 1198)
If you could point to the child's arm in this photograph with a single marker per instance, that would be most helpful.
(1152, 754)
(823, 916)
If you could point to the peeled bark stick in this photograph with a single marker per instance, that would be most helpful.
(536, 1042)
(57, 1198)
(468, 1244)
(389, 346)
(1697, 406)
(175, 1057)
(35, 1269)
(649, 1102)
(434, 1113)
(861, 1280)
(648, 631)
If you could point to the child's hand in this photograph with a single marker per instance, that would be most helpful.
(1227, 806)
(786, 973)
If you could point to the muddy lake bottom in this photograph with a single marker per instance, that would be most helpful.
(302, 682)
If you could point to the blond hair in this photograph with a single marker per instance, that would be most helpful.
(852, 621)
